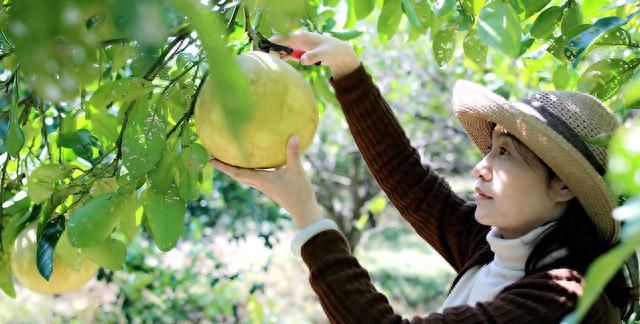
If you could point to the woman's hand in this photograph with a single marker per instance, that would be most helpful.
(288, 186)
(338, 55)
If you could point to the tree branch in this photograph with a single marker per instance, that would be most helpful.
(185, 117)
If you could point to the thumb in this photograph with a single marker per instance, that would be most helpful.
(293, 150)
(311, 57)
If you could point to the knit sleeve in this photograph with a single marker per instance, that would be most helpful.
(421, 196)
(347, 295)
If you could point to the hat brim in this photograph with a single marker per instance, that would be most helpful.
(477, 108)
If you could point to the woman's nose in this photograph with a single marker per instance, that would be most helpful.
(482, 169)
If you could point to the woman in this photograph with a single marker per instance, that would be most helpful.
(542, 212)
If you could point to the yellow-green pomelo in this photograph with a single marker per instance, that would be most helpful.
(63, 278)
(283, 105)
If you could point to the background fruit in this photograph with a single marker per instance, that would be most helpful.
(284, 105)
(63, 279)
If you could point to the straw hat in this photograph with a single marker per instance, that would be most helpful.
(551, 124)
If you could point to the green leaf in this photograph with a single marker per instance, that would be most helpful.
(443, 8)
(408, 10)
(423, 11)
(82, 143)
(47, 244)
(531, 7)
(604, 78)
(161, 176)
(577, 46)
(227, 81)
(499, 27)
(561, 77)
(43, 181)
(110, 254)
(599, 274)
(144, 138)
(474, 48)
(389, 19)
(444, 46)
(15, 136)
(558, 44)
(466, 12)
(346, 35)
(128, 221)
(623, 172)
(192, 161)
(69, 255)
(119, 54)
(6, 282)
(631, 92)
(363, 8)
(123, 90)
(572, 17)
(104, 126)
(546, 22)
(16, 224)
(165, 212)
(95, 220)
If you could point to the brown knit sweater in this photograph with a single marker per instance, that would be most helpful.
(440, 217)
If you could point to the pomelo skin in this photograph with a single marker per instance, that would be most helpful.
(284, 105)
(63, 278)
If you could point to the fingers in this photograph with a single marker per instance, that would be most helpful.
(311, 57)
(247, 176)
(293, 151)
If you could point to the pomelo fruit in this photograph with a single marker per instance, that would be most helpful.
(63, 278)
(284, 105)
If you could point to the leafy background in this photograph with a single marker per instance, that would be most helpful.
(96, 114)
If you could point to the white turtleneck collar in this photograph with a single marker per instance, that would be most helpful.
(482, 283)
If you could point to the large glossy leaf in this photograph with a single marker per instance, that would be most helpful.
(81, 142)
(532, 7)
(47, 241)
(122, 90)
(443, 46)
(110, 254)
(43, 181)
(407, 8)
(425, 16)
(546, 22)
(95, 220)
(474, 48)
(144, 138)
(165, 212)
(605, 77)
(499, 27)
(191, 162)
(577, 46)
(558, 44)
(572, 17)
(363, 8)
(389, 19)
(561, 77)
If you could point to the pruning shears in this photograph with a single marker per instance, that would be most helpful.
(265, 45)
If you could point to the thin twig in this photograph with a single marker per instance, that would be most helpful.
(185, 117)
(174, 80)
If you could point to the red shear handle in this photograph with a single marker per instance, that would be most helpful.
(297, 53)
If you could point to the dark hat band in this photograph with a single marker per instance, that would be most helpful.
(566, 131)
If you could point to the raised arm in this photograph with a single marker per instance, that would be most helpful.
(423, 198)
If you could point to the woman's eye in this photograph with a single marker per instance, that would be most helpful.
(503, 150)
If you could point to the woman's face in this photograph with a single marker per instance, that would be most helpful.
(513, 192)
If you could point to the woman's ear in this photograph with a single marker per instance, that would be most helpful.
(559, 191)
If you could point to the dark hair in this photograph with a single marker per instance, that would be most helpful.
(576, 233)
